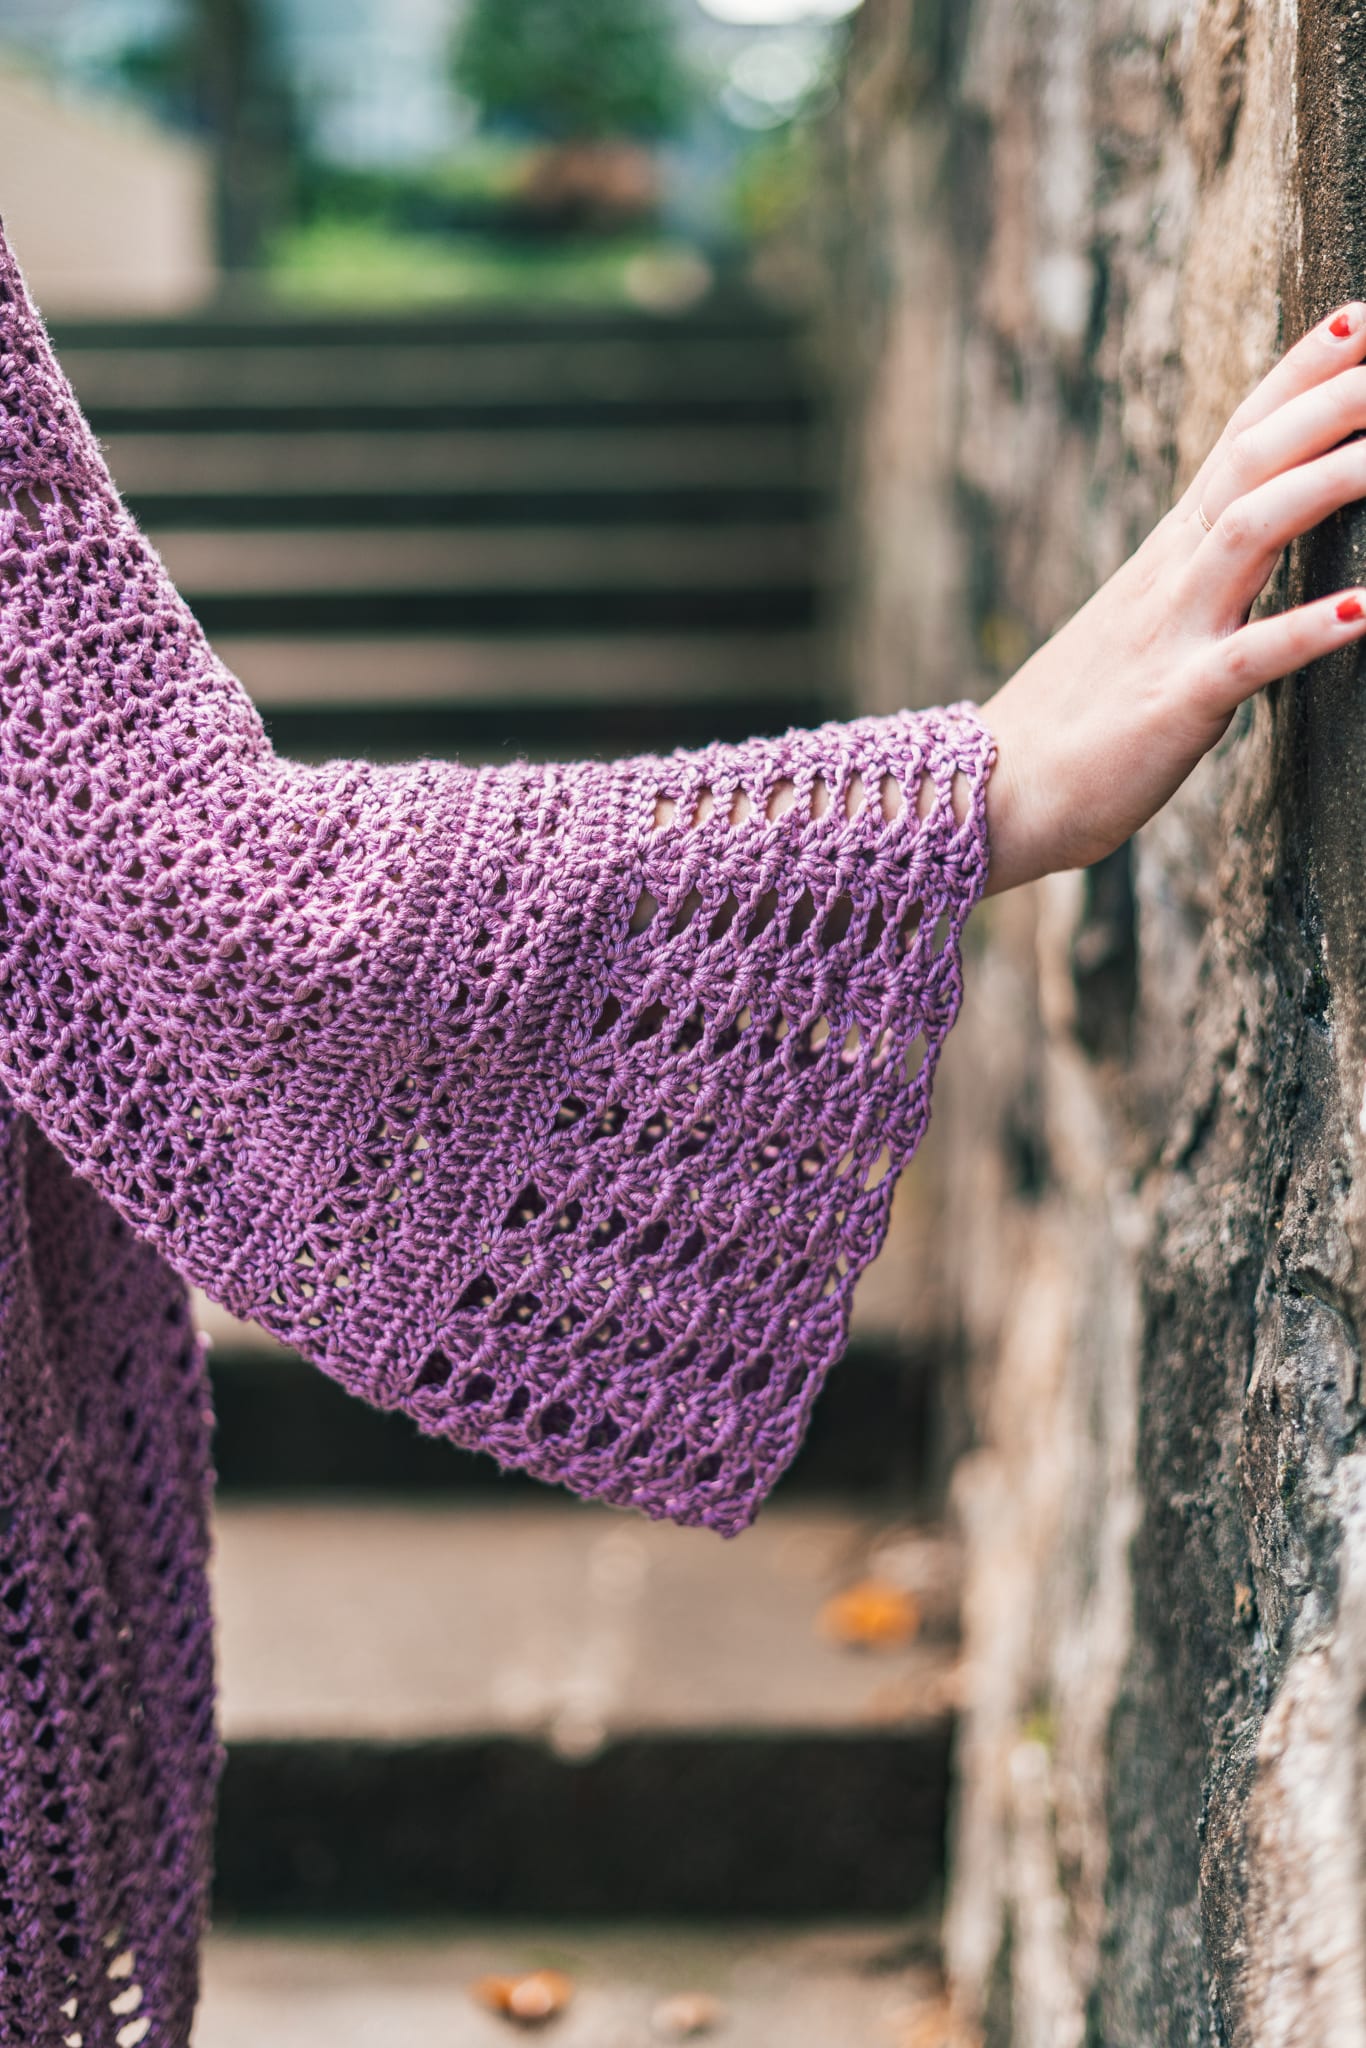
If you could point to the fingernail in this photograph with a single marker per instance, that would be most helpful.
(1350, 608)
(1340, 325)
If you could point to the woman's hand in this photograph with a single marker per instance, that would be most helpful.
(1099, 727)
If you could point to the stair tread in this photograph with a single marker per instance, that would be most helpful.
(290, 560)
(456, 506)
(503, 669)
(409, 374)
(510, 459)
(364, 1622)
(249, 321)
(861, 1986)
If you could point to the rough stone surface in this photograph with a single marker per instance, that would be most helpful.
(1085, 227)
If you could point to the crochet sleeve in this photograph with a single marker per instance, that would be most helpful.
(557, 1107)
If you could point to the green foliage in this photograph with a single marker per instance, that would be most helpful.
(577, 70)
(777, 182)
(355, 264)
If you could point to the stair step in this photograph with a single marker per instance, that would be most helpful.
(414, 375)
(561, 1622)
(777, 1826)
(539, 608)
(864, 1986)
(513, 459)
(206, 499)
(567, 731)
(579, 669)
(541, 410)
(607, 559)
(513, 1708)
(261, 325)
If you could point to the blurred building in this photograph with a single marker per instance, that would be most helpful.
(105, 209)
(367, 83)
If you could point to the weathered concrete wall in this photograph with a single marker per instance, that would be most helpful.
(1084, 229)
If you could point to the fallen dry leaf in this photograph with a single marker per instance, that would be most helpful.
(685, 2017)
(873, 1615)
(531, 2000)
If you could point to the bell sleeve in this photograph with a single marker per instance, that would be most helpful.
(558, 1107)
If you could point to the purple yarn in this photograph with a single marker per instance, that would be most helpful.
(556, 1107)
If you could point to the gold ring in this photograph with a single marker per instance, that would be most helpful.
(1203, 517)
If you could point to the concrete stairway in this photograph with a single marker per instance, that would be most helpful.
(559, 533)
(554, 1711)
(450, 1696)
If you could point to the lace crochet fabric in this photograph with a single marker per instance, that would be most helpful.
(557, 1107)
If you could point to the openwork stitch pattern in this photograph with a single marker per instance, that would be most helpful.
(559, 1108)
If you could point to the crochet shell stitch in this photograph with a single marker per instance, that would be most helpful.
(557, 1107)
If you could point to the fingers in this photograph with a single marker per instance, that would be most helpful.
(1267, 649)
(1226, 572)
(1306, 426)
(1336, 343)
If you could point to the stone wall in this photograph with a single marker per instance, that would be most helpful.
(1082, 229)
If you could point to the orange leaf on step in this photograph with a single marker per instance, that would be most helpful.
(530, 2000)
(873, 1615)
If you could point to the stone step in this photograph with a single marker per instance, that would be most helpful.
(206, 499)
(562, 1622)
(514, 459)
(563, 1708)
(287, 561)
(242, 323)
(565, 730)
(543, 609)
(406, 374)
(870, 1985)
(512, 670)
(544, 409)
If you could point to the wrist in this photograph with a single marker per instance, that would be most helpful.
(1009, 857)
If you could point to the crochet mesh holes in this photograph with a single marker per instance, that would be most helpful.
(802, 918)
(686, 912)
(70, 1827)
(878, 1171)
(836, 922)
(741, 808)
(126, 1996)
(645, 911)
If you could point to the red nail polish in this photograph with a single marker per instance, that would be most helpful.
(1341, 326)
(1350, 608)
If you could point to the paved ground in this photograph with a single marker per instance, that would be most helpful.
(868, 1987)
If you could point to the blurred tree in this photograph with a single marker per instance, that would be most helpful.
(239, 95)
(574, 70)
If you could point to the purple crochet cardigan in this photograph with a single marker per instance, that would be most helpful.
(556, 1107)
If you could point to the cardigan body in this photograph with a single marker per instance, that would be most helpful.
(558, 1108)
